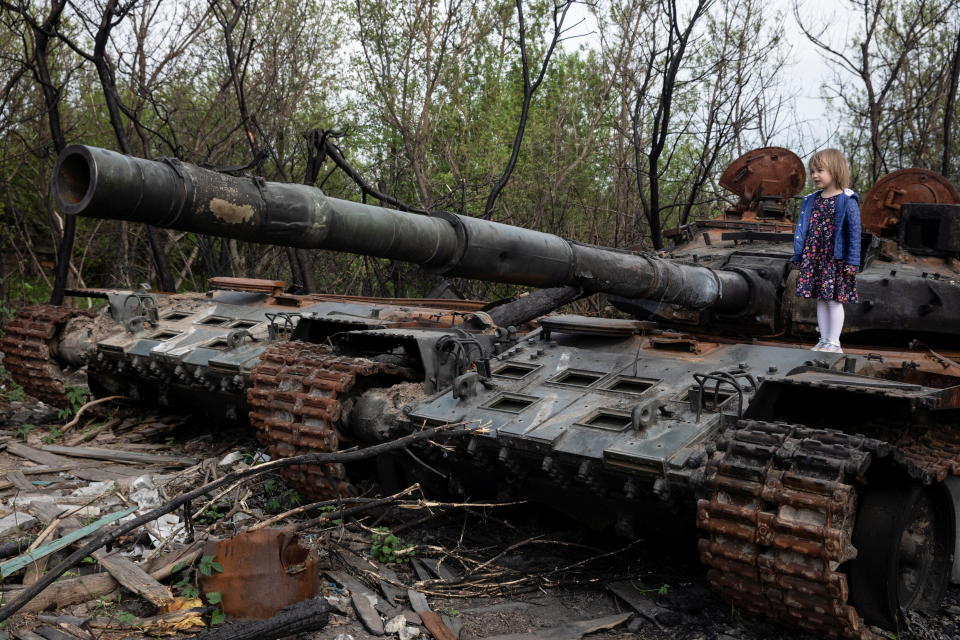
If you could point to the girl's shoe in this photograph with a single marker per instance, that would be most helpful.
(831, 347)
(820, 345)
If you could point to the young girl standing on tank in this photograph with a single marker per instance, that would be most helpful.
(826, 245)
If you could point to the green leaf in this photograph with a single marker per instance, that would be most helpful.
(217, 617)
(214, 597)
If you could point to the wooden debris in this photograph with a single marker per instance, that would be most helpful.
(12, 566)
(102, 585)
(632, 596)
(569, 630)
(36, 455)
(134, 578)
(115, 455)
(24, 634)
(50, 633)
(431, 620)
(309, 615)
(45, 510)
(91, 433)
(24, 596)
(163, 624)
(368, 615)
(18, 480)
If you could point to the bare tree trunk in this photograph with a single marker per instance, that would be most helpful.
(529, 88)
(949, 109)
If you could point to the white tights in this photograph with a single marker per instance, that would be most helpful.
(830, 319)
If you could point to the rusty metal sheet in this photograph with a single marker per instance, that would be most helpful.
(252, 285)
(881, 205)
(263, 571)
(763, 173)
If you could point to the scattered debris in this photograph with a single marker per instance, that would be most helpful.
(569, 630)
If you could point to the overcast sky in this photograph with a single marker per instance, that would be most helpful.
(808, 70)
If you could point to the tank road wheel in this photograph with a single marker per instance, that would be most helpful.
(297, 400)
(29, 348)
(904, 539)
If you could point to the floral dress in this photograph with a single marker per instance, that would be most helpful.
(821, 275)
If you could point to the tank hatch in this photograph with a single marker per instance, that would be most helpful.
(883, 205)
(764, 179)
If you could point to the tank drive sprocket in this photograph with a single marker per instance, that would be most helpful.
(297, 399)
(29, 347)
(787, 523)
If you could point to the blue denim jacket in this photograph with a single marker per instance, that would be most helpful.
(846, 237)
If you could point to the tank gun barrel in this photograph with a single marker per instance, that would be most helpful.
(99, 183)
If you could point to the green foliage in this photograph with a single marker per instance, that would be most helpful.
(23, 431)
(76, 398)
(10, 391)
(278, 497)
(208, 565)
(388, 548)
(53, 433)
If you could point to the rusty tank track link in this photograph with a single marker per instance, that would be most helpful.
(296, 398)
(781, 521)
(27, 352)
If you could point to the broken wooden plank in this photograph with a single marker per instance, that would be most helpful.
(116, 455)
(134, 578)
(368, 615)
(36, 455)
(99, 585)
(347, 581)
(12, 566)
(629, 593)
(568, 630)
(45, 468)
(50, 633)
(18, 480)
(430, 619)
(45, 510)
(25, 634)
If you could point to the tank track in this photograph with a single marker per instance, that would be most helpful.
(296, 398)
(781, 517)
(28, 355)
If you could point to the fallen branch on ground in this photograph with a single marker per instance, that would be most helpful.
(92, 403)
(313, 458)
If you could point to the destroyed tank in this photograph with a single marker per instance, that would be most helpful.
(823, 484)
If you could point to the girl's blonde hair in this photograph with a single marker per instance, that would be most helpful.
(833, 162)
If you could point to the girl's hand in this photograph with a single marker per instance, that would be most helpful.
(851, 269)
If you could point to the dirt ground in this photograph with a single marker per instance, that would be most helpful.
(529, 572)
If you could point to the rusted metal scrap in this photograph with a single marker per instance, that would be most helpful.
(263, 571)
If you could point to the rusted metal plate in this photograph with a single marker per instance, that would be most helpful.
(252, 285)
(263, 571)
(764, 179)
(881, 205)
